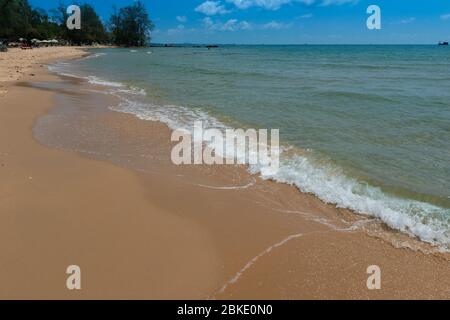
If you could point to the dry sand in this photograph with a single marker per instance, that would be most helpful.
(16, 63)
(173, 232)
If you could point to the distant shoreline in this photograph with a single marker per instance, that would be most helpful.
(183, 45)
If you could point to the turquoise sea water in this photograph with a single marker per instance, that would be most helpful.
(364, 127)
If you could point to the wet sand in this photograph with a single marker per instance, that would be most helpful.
(87, 186)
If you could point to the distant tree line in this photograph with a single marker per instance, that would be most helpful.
(128, 26)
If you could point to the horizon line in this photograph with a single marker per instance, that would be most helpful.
(294, 44)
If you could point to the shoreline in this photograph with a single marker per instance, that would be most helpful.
(240, 236)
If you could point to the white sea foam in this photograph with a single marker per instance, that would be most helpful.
(175, 117)
(95, 55)
(331, 185)
(227, 187)
(131, 90)
(101, 82)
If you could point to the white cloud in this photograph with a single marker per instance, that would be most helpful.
(337, 2)
(445, 16)
(274, 25)
(244, 25)
(211, 8)
(236, 25)
(277, 4)
(181, 19)
(208, 23)
(229, 25)
(266, 4)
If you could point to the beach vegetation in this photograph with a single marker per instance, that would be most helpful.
(128, 26)
(92, 29)
(19, 20)
(131, 26)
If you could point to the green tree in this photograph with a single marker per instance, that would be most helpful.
(59, 14)
(15, 16)
(131, 26)
(19, 20)
(92, 29)
(41, 26)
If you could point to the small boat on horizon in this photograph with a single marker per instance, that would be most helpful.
(445, 43)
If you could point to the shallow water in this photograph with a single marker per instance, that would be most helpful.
(367, 127)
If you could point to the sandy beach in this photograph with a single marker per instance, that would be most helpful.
(142, 228)
(16, 62)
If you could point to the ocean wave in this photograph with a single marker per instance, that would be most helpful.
(418, 219)
(95, 55)
(106, 83)
(176, 117)
(63, 69)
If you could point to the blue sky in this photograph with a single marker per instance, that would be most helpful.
(288, 21)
